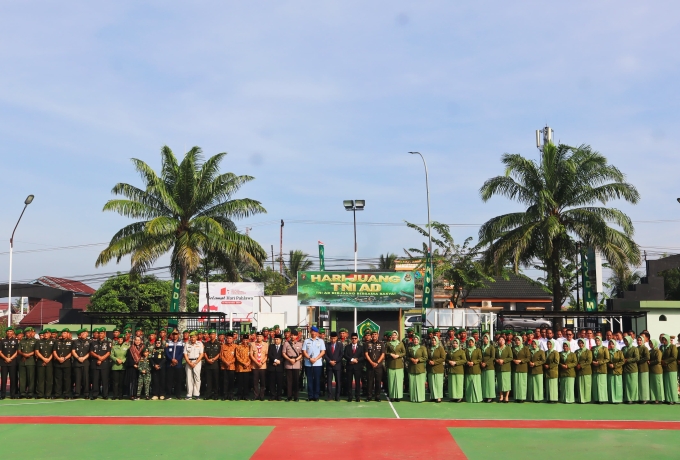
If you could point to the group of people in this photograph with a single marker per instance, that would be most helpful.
(538, 366)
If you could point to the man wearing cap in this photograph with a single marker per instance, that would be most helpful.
(100, 351)
(27, 363)
(211, 356)
(275, 368)
(193, 355)
(333, 358)
(227, 366)
(43, 367)
(9, 353)
(63, 352)
(375, 355)
(313, 350)
(174, 376)
(354, 359)
(81, 354)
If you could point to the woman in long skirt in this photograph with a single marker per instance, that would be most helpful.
(614, 373)
(488, 369)
(631, 356)
(394, 356)
(669, 361)
(416, 358)
(655, 373)
(567, 373)
(600, 361)
(435, 369)
(473, 373)
(456, 360)
(584, 372)
(643, 371)
(551, 372)
(503, 370)
(520, 367)
(535, 382)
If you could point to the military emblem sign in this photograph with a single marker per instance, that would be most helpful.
(365, 325)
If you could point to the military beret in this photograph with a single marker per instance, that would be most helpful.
(19, 331)
(115, 329)
(430, 329)
(265, 329)
(276, 326)
(410, 329)
(10, 329)
(139, 328)
(185, 331)
(368, 330)
(212, 331)
(342, 329)
(222, 333)
(192, 333)
(451, 328)
(28, 329)
(66, 330)
(322, 330)
(286, 330)
(127, 329)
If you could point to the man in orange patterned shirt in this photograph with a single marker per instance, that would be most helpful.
(227, 366)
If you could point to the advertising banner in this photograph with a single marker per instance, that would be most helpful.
(238, 298)
(349, 289)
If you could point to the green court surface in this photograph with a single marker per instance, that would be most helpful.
(510, 444)
(121, 441)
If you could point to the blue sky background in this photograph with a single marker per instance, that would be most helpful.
(321, 101)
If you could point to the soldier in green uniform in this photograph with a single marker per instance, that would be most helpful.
(584, 372)
(408, 342)
(455, 358)
(655, 372)
(81, 364)
(599, 365)
(211, 360)
(394, 357)
(488, 369)
(669, 362)
(435, 369)
(567, 374)
(62, 365)
(43, 365)
(520, 368)
(535, 374)
(144, 380)
(643, 371)
(416, 356)
(27, 364)
(473, 372)
(100, 351)
(9, 353)
(503, 364)
(119, 352)
(631, 356)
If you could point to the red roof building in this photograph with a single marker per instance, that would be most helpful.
(45, 311)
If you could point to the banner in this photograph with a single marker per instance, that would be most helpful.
(427, 283)
(322, 265)
(349, 289)
(238, 298)
(589, 295)
(174, 301)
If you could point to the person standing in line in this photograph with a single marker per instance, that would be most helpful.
(354, 359)
(435, 369)
(275, 368)
(313, 350)
(9, 353)
(655, 372)
(292, 354)
(27, 364)
(242, 369)
(567, 373)
(375, 355)
(144, 378)
(455, 358)
(614, 373)
(488, 369)
(44, 368)
(416, 356)
(394, 357)
(473, 372)
(599, 365)
(227, 366)
(520, 368)
(211, 358)
(535, 377)
(503, 365)
(643, 370)
(100, 351)
(158, 370)
(193, 356)
(669, 362)
(119, 352)
(631, 356)
(551, 372)
(175, 374)
(81, 364)
(333, 358)
(584, 372)
(133, 356)
(258, 362)
(62, 366)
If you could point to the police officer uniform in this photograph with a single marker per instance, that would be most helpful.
(62, 371)
(44, 370)
(81, 349)
(101, 348)
(8, 367)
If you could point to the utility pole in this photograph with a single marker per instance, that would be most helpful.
(281, 251)
(272, 257)
(547, 134)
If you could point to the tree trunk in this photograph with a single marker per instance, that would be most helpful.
(555, 279)
(181, 324)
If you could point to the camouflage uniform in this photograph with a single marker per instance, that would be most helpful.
(144, 369)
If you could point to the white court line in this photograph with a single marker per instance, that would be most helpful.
(392, 406)
(32, 403)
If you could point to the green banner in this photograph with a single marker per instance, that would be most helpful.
(427, 283)
(589, 296)
(174, 301)
(322, 264)
(349, 289)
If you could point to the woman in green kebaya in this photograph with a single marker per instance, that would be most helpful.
(655, 372)
(535, 382)
(395, 367)
(614, 373)
(643, 371)
(473, 372)
(631, 356)
(488, 369)
(503, 370)
(416, 358)
(584, 372)
(600, 361)
(669, 362)
(456, 360)
(520, 367)
(435, 369)
(551, 372)
(567, 374)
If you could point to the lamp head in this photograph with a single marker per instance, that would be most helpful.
(678, 200)
(359, 204)
(348, 204)
(414, 153)
(29, 199)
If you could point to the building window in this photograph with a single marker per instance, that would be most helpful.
(662, 318)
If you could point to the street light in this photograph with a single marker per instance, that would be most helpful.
(27, 201)
(429, 229)
(354, 206)
(678, 200)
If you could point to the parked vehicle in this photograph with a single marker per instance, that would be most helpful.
(412, 320)
(521, 324)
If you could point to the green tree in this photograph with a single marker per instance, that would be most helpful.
(622, 277)
(298, 261)
(186, 210)
(387, 262)
(559, 194)
(274, 282)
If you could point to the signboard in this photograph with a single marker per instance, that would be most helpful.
(367, 324)
(427, 284)
(349, 289)
(238, 298)
(174, 301)
(322, 264)
(589, 294)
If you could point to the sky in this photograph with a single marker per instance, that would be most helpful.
(321, 102)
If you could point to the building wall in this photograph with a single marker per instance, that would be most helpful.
(656, 327)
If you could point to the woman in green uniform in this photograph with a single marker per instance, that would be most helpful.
(599, 365)
(456, 359)
(567, 374)
(551, 374)
(535, 382)
(655, 373)
(503, 370)
(521, 357)
(584, 372)
(643, 371)
(614, 373)
(669, 362)
(417, 357)
(488, 369)
(631, 356)
(473, 373)
(436, 355)
(395, 352)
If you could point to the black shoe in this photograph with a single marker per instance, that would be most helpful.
(397, 400)
(377, 399)
(296, 399)
(358, 399)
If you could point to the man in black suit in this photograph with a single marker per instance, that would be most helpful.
(275, 368)
(354, 362)
(333, 358)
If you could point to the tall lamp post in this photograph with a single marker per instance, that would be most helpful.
(354, 206)
(429, 230)
(27, 201)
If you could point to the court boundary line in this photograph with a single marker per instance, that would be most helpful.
(392, 406)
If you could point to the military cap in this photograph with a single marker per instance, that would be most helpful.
(127, 329)
(115, 329)
(212, 331)
(322, 330)
(342, 329)
(334, 334)
(192, 333)
(276, 326)
(451, 328)
(185, 331)
(28, 329)
(367, 332)
(410, 329)
(10, 329)
(66, 330)
(139, 328)
(430, 329)
(265, 329)
(19, 331)
(286, 330)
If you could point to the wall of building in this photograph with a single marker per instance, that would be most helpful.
(656, 326)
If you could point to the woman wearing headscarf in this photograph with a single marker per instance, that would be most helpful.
(567, 374)
(488, 369)
(655, 372)
(584, 372)
(600, 361)
(551, 372)
(436, 355)
(669, 362)
(504, 370)
(614, 373)
(456, 360)
(535, 382)
(631, 356)
(416, 357)
(643, 371)
(473, 372)
(521, 357)
(394, 357)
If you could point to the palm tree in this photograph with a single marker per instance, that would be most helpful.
(387, 262)
(187, 210)
(298, 261)
(621, 279)
(559, 194)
